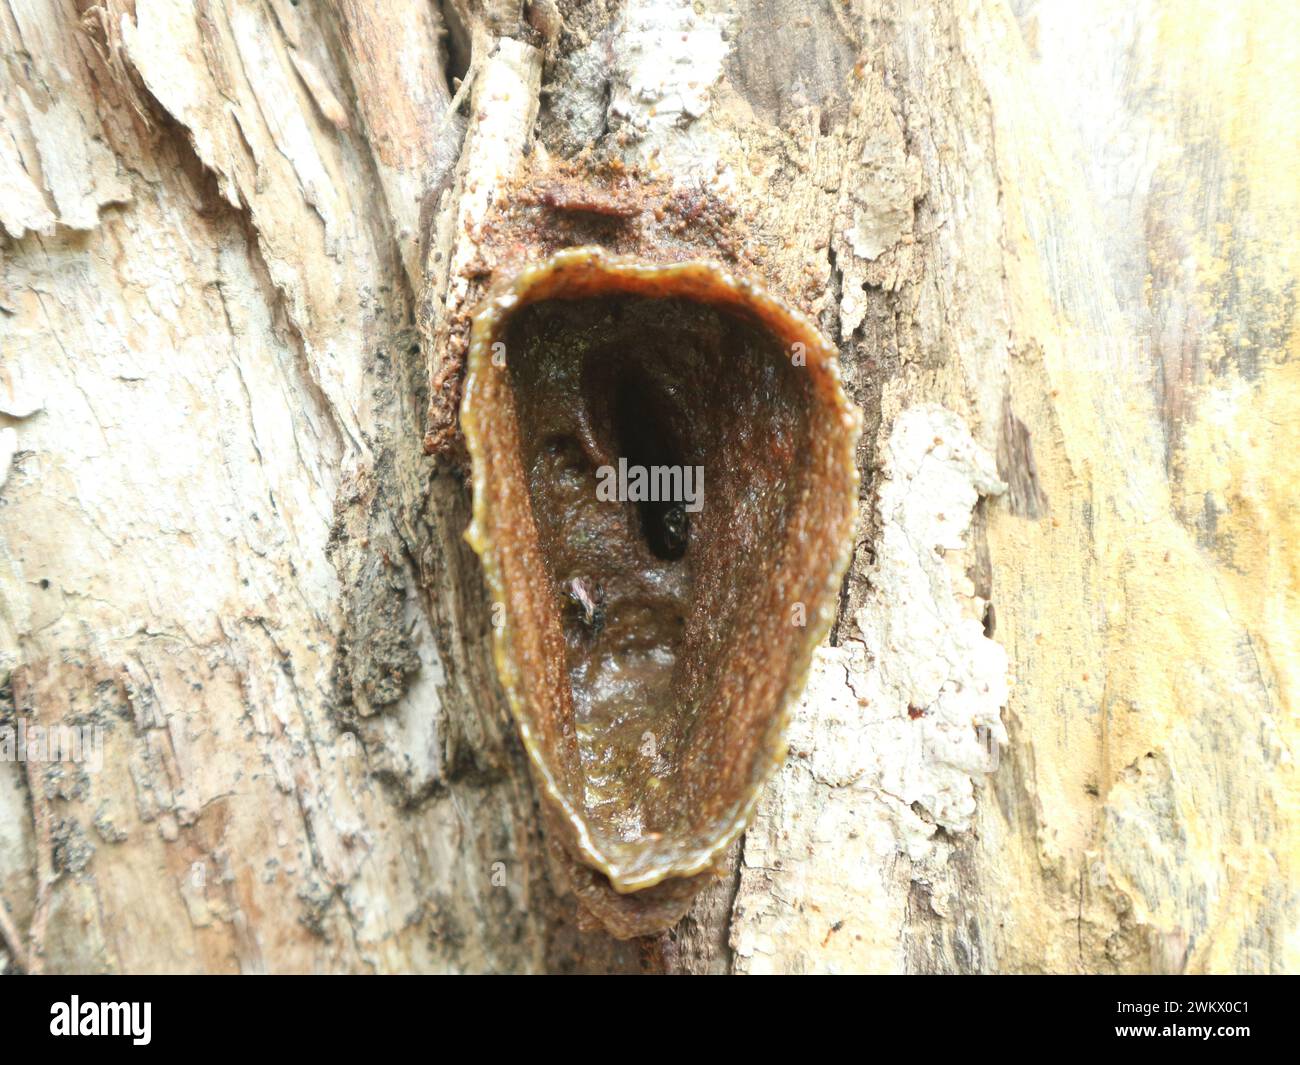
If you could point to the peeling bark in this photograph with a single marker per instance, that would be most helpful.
(237, 240)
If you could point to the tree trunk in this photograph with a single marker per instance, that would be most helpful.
(1054, 244)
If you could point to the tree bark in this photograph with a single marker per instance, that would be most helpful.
(1053, 727)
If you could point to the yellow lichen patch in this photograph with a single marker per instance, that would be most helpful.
(1151, 614)
(1235, 465)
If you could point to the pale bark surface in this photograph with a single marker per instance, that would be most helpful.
(1055, 244)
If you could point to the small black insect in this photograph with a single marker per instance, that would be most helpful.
(676, 530)
(590, 599)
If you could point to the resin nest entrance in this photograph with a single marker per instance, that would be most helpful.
(664, 491)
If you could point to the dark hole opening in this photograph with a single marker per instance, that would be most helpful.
(643, 440)
(459, 47)
(990, 621)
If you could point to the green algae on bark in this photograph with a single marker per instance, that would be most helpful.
(649, 655)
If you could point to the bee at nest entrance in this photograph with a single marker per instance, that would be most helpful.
(656, 437)
(654, 635)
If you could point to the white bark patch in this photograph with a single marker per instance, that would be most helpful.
(22, 207)
(18, 397)
(667, 58)
(895, 729)
(935, 675)
(52, 147)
